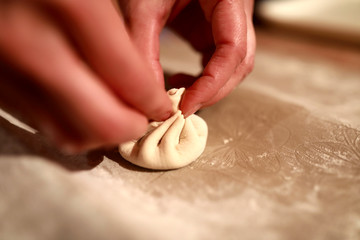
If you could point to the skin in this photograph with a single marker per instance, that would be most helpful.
(222, 31)
(72, 69)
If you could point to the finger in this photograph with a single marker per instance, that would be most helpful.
(229, 86)
(18, 95)
(243, 69)
(80, 97)
(188, 21)
(27, 103)
(145, 30)
(102, 37)
(228, 21)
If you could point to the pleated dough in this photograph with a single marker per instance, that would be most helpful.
(171, 144)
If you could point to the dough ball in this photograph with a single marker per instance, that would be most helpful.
(171, 144)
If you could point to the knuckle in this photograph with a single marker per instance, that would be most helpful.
(237, 48)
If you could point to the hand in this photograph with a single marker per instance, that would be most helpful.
(70, 69)
(222, 31)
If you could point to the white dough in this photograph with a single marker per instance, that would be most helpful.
(171, 144)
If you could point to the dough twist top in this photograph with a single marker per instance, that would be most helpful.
(171, 144)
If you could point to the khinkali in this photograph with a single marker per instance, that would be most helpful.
(171, 144)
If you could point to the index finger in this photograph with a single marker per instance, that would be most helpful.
(228, 21)
(102, 37)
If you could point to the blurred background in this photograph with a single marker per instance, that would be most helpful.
(332, 20)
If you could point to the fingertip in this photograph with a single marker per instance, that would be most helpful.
(190, 103)
(162, 109)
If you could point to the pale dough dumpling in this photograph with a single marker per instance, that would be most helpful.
(171, 144)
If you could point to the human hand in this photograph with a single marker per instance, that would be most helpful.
(69, 69)
(222, 31)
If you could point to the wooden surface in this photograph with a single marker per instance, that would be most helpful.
(282, 162)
